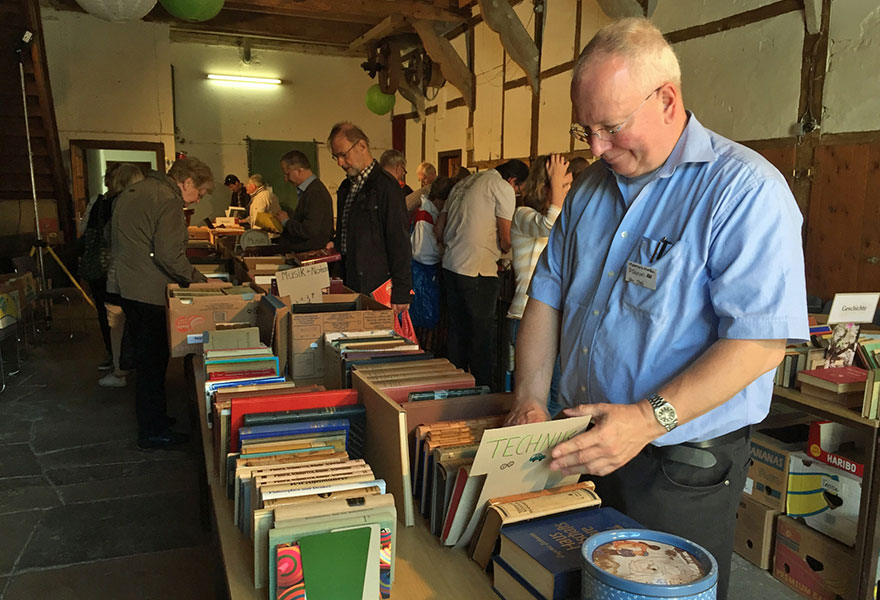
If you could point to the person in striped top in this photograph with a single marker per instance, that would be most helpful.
(543, 193)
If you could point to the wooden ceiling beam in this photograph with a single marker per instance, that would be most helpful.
(349, 10)
(389, 25)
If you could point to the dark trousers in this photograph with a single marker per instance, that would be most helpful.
(696, 503)
(98, 288)
(471, 304)
(149, 335)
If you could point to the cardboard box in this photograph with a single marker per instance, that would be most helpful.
(813, 564)
(767, 479)
(825, 497)
(26, 286)
(837, 445)
(189, 318)
(755, 531)
(337, 312)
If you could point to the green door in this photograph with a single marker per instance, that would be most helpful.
(264, 157)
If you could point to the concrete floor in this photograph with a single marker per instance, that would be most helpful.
(84, 514)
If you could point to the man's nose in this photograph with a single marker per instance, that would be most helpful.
(598, 146)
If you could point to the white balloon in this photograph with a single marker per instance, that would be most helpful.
(117, 10)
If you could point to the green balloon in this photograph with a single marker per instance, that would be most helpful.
(193, 10)
(378, 101)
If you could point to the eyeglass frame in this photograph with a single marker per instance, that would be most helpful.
(344, 155)
(583, 134)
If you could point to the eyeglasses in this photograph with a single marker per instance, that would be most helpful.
(343, 155)
(583, 134)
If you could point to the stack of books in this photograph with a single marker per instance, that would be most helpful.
(400, 380)
(542, 558)
(841, 385)
(291, 461)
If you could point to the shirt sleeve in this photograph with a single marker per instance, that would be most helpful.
(756, 266)
(505, 199)
(531, 223)
(546, 283)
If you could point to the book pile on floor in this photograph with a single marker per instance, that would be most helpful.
(291, 461)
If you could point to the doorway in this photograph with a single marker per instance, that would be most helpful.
(448, 163)
(89, 160)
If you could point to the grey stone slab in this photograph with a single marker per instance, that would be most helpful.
(116, 451)
(14, 430)
(97, 423)
(17, 460)
(16, 530)
(25, 493)
(112, 528)
(85, 484)
(175, 574)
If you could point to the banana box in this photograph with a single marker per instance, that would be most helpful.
(813, 564)
(825, 497)
(767, 480)
(10, 307)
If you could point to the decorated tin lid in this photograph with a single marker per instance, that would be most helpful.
(651, 563)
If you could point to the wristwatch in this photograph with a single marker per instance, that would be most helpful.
(664, 412)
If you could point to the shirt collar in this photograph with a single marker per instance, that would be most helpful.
(302, 187)
(362, 176)
(694, 146)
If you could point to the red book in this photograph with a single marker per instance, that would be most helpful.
(839, 380)
(260, 404)
(255, 373)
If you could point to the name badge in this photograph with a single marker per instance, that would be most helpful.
(641, 275)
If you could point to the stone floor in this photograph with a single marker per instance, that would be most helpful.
(84, 514)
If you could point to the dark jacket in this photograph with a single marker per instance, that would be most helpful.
(378, 246)
(149, 240)
(240, 198)
(310, 226)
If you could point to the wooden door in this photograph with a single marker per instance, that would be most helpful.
(843, 242)
(448, 163)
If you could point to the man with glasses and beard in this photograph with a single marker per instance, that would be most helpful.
(669, 286)
(372, 228)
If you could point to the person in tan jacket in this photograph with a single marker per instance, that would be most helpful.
(149, 239)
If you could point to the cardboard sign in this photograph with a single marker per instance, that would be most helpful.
(853, 308)
(517, 460)
(304, 284)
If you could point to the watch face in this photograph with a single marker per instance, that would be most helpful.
(666, 415)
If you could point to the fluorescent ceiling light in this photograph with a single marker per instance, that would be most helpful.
(242, 79)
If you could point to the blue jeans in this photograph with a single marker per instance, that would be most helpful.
(553, 406)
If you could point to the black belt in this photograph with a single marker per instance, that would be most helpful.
(696, 453)
(740, 433)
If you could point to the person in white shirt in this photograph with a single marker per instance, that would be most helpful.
(263, 199)
(543, 193)
(427, 254)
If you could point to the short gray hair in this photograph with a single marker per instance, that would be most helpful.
(649, 56)
(392, 158)
(352, 133)
(257, 180)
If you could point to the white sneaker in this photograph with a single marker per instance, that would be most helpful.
(112, 380)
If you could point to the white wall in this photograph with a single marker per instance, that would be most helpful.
(213, 119)
(109, 80)
(852, 83)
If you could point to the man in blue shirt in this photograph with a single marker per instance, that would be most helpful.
(669, 286)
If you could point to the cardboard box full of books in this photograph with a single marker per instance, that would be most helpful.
(754, 535)
(811, 563)
(201, 307)
(767, 480)
(827, 498)
(337, 312)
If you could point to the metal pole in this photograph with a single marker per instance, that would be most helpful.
(27, 132)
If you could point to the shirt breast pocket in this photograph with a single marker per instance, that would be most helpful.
(669, 274)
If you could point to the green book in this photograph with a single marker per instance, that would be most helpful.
(335, 563)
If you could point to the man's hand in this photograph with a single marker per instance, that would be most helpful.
(619, 432)
(528, 412)
(397, 308)
(282, 216)
(329, 246)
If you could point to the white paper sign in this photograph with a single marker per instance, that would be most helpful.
(303, 284)
(853, 308)
(517, 459)
(641, 275)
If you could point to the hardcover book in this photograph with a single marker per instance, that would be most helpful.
(839, 380)
(547, 552)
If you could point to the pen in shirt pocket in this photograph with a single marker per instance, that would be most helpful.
(660, 250)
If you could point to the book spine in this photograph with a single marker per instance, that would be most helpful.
(550, 504)
(444, 394)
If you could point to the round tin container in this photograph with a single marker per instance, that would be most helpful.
(640, 564)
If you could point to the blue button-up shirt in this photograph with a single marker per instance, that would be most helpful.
(734, 270)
